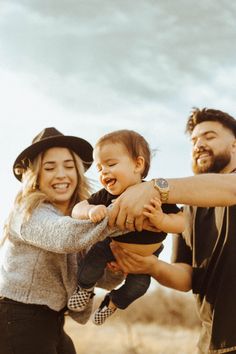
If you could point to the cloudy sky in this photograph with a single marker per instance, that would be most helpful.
(89, 67)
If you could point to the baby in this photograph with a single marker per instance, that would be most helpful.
(122, 159)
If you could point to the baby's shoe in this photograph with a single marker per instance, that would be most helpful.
(103, 312)
(80, 298)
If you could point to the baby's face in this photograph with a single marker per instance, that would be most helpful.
(117, 170)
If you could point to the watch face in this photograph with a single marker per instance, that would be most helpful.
(162, 183)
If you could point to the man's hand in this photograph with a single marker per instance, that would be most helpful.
(129, 262)
(127, 211)
(114, 268)
(176, 276)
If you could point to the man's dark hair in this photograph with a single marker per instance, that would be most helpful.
(202, 115)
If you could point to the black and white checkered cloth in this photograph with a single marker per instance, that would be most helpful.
(103, 312)
(80, 299)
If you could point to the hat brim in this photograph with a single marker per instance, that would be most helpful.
(80, 146)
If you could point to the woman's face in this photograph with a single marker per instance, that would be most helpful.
(58, 176)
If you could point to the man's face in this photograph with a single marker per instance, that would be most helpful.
(212, 147)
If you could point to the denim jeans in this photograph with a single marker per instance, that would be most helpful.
(92, 269)
(32, 329)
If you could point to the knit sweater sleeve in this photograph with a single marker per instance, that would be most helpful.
(51, 231)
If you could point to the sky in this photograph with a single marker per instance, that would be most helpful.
(90, 67)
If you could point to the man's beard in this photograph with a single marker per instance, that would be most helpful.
(215, 164)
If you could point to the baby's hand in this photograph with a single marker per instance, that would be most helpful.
(97, 213)
(147, 225)
(154, 213)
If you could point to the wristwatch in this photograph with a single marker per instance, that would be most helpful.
(163, 188)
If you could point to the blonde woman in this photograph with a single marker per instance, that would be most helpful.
(43, 243)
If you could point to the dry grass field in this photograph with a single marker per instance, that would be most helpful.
(161, 322)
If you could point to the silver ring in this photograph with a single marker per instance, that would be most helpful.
(129, 222)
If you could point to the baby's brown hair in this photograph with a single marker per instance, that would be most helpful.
(135, 144)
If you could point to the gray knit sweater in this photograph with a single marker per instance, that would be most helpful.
(39, 260)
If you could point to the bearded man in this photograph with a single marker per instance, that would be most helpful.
(209, 242)
(204, 257)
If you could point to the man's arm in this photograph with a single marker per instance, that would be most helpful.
(177, 276)
(205, 190)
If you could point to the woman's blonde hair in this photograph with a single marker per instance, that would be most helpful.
(30, 197)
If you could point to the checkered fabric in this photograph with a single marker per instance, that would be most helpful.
(103, 312)
(80, 299)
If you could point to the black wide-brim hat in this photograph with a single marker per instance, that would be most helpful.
(51, 137)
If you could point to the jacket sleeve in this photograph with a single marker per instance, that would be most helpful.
(51, 231)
